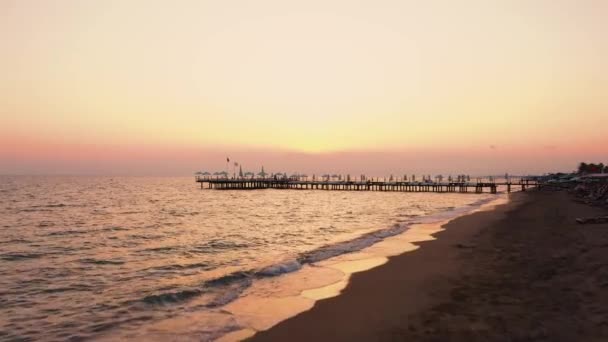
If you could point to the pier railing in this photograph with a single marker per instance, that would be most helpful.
(366, 185)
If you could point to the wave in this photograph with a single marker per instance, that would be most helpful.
(214, 245)
(134, 237)
(67, 232)
(278, 269)
(229, 279)
(232, 286)
(78, 287)
(179, 267)
(33, 210)
(228, 287)
(223, 290)
(20, 256)
(48, 207)
(172, 297)
(130, 212)
(356, 244)
(57, 205)
(166, 249)
(113, 229)
(101, 262)
(8, 242)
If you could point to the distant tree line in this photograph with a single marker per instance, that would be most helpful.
(584, 168)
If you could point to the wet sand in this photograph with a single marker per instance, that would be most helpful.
(525, 271)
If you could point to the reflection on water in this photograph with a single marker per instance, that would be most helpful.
(84, 256)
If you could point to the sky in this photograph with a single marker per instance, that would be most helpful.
(156, 87)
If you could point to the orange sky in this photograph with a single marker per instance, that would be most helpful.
(161, 87)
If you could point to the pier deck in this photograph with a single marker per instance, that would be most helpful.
(399, 186)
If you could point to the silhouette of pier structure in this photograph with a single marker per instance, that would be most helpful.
(364, 185)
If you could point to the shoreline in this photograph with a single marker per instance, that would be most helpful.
(257, 313)
(271, 299)
(464, 285)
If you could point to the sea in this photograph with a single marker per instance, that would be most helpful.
(111, 258)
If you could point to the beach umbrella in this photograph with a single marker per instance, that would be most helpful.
(204, 174)
(262, 173)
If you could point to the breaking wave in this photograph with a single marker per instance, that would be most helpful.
(226, 288)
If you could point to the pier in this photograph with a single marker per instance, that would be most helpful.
(367, 185)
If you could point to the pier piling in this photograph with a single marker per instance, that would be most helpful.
(364, 185)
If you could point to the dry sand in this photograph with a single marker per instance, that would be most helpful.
(525, 271)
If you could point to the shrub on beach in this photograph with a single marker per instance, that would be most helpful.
(584, 168)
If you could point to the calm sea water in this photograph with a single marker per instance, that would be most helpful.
(84, 256)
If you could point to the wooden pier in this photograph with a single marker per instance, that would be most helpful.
(397, 186)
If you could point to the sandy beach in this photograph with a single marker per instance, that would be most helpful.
(303, 170)
(525, 271)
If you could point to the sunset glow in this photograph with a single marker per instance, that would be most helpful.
(139, 85)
